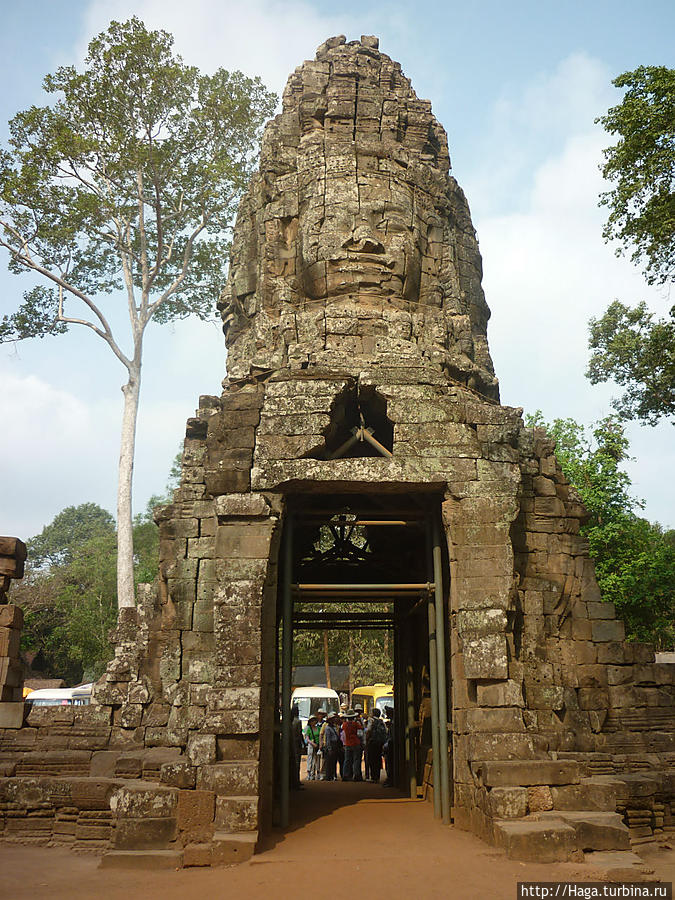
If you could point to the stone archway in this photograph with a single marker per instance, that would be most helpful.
(359, 548)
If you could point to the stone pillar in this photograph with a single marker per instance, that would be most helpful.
(12, 558)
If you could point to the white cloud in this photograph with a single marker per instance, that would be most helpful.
(547, 271)
(531, 123)
(53, 452)
(268, 38)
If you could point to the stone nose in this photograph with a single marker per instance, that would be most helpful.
(362, 240)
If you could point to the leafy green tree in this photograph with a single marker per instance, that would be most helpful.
(69, 591)
(628, 344)
(72, 527)
(634, 559)
(637, 351)
(126, 186)
(642, 167)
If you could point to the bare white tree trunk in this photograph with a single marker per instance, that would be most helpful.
(125, 540)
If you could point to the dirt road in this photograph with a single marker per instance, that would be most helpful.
(392, 846)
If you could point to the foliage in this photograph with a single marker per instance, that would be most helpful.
(370, 652)
(642, 166)
(72, 527)
(128, 181)
(126, 186)
(634, 559)
(630, 346)
(638, 352)
(69, 591)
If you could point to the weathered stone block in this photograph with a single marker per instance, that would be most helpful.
(197, 854)
(11, 616)
(201, 749)
(138, 801)
(607, 630)
(195, 814)
(499, 746)
(243, 541)
(502, 693)
(593, 698)
(144, 834)
(540, 695)
(619, 674)
(221, 698)
(178, 774)
(239, 778)
(249, 506)
(232, 722)
(508, 802)
(486, 657)
(481, 621)
(592, 676)
(542, 842)
(539, 798)
(11, 714)
(601, 610)
(237, 814)
(594, 794)
(528, 772)
(10, 640)
(492, 720)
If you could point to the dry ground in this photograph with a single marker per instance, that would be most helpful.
(393, 846)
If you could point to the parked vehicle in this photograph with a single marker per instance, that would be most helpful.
(82, 694)
(51, 697)
(75, 696)
(311, 699)
(368, 696)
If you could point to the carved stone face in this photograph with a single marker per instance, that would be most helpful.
(366, 241)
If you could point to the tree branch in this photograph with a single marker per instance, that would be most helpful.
(27, 260)
(176, 283)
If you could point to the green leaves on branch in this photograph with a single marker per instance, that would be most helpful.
(637, 351)
(69, 594)
(629, 345)
(130, 179)
(634, 559)
(642, 167)
(36, 317)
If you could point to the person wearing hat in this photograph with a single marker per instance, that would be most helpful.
(321, 760)
(330, 737)
(312, 734)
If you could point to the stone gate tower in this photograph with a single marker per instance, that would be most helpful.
(361, 399)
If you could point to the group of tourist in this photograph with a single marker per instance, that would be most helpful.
(348, 745)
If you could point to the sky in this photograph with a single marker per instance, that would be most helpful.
(516, 85)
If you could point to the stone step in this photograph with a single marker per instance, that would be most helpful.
(596, 793)
(228, 848)
(142, 859)
(618, 865)
(526, 772)
(594, 830)
(536, 840)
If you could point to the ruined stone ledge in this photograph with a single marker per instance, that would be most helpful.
(515, 773)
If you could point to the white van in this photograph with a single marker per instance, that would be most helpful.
(51, 697)
(75, 696)
(311, 699)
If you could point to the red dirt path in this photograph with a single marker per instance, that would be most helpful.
(393, 846)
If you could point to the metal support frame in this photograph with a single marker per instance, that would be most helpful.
(410, 724)
(441, 670)
(433, 680)
(286, 673)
